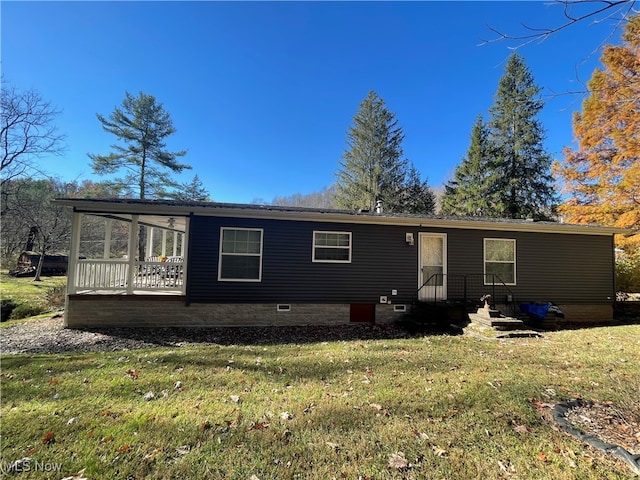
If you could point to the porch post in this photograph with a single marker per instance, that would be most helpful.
(184, 257)
(149, 243)
(74, 253)
(133, 242)
(107, 238)
(164, 243)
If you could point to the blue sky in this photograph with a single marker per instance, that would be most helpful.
(262, 93)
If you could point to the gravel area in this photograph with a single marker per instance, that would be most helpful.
(48, 336)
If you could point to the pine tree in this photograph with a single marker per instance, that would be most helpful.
(418, 198)
(193, 191)
(143, 125)
(372, 168)
(602, 175)
(469, 192)
(524, 184)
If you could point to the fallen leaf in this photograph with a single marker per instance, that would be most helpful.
(235, 398)
(259, 426)
(333, 446)
(398, 461)
(134, 374)
(149, 396)
(205, 426)
(124, 448)
(376, 406)
(72, 420)
(286, 416)
(522, 429)
(48, 438)
(542, 457)
(439, 451)
(77, 476)
(53, 381)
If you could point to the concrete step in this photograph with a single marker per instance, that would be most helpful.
(499, 323)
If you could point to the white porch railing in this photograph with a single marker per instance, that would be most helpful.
(114, 275)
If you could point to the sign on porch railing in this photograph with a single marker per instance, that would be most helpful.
(114, 275)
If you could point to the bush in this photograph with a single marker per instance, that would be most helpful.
(25, 310)
(6, 307)
(628, 273)
(55, 297)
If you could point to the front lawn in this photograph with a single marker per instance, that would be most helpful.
(438, 407)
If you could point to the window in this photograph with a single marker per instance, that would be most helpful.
(240, 255)
(332, 247)
(499, 261)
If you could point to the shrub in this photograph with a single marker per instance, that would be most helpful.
(628, 273)
(55, 297)
(6, 307)
(25, 310)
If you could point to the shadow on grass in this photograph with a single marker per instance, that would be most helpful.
(272, 335)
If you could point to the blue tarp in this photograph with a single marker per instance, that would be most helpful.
(540, 310)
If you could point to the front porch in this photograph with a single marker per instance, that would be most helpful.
(127, 254)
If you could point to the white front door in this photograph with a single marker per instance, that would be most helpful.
(432, 267)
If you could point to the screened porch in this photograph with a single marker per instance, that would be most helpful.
(128, 254)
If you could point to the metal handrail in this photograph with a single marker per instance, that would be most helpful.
(495, 280)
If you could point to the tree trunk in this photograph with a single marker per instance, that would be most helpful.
(40, 262)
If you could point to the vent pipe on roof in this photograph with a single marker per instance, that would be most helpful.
(378, 206)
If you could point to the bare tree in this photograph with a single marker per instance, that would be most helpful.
(573, 12)
(27, 132)
(48, 224)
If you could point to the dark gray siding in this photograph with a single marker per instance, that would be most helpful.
(550, 267)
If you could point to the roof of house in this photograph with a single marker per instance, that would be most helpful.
(123, 208)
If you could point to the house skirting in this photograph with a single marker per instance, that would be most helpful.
(171, 311)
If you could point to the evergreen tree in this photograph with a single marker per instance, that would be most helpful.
(372, 168)
(417, 195)
(522, 168)
(143, 125)
(193, 191)
(468, 193)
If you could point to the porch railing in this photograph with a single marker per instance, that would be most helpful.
(467, 289)
(115, 275)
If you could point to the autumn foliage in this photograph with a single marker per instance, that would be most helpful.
(602, 175)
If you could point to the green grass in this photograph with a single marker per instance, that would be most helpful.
(25, 291)
(456, 407)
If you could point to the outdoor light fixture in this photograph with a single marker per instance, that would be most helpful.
(409, 238)
(171, 222)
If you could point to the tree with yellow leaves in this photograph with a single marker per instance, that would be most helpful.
(602, 175)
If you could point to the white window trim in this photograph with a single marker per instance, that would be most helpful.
(314, 246)
(514, 262)
(259, 279)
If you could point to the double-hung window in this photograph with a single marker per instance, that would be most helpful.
(332, 247)
(240, 255)
(499, 261)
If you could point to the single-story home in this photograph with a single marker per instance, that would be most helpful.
(217, 264)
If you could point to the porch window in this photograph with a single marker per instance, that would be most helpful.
(499, 260)
(332, 247)
(240, 255)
